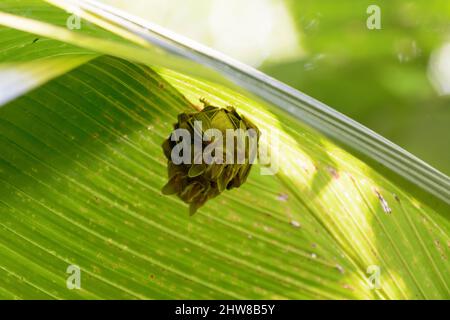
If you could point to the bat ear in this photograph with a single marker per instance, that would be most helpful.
(204, 102)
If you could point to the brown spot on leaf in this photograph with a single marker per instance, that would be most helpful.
(333, 172)
(282, 197)
(340, 269)
(348, 287)
(396, 197)
(295, 224)
(383, 202)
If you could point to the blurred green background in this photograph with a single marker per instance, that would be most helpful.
(395, 80)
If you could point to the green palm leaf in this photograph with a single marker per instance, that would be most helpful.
(83, 118)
